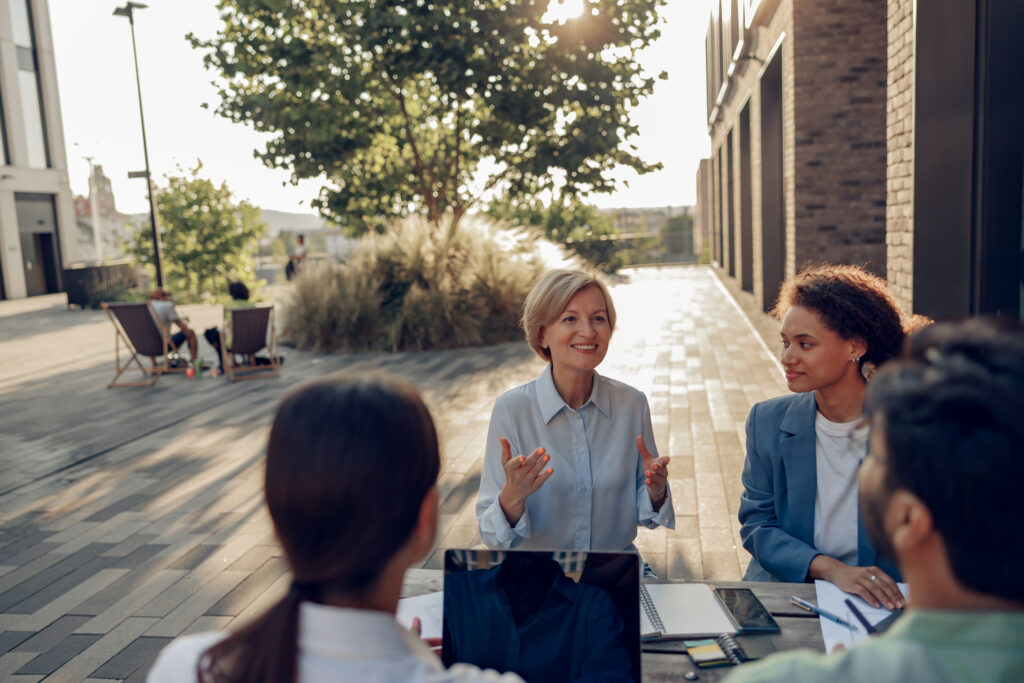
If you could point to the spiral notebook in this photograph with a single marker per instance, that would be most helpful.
(682, 610)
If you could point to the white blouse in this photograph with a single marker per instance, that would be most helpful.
(338, 644)
(597, 494)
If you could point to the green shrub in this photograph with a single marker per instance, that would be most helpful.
(415, 288)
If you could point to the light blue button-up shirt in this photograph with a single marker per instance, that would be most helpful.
(597, 494)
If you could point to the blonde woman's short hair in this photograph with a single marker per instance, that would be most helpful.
(550, 296)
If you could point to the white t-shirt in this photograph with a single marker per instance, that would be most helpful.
(165, 312)
(337, 644)
(835, 505)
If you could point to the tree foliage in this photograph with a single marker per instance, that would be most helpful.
(570, 222)
(207, 240)
(678, 234)
(433, 105)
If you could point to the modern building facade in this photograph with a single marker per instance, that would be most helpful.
(37, 215)
(796, 113)
(884, 133)
(955, 143)
(701, 217)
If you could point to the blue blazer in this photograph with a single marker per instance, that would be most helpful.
(780, 482)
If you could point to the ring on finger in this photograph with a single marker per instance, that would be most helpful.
(873, 578)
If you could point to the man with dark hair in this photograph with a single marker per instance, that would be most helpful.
(239, 299)
(939, 493)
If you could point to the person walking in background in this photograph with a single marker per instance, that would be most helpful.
(570, 460)
(166, 314)
(938, 493)
(798, 510)
(324, 471)
(297, 259)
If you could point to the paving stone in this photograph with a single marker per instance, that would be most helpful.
(142, 564)
(9, 640)
(256, 557)
(11, 549)
(125, 504)
(192, 558)
(249, 589)
(101, 651)
(722, 565)
(50, 636)
(89, 569)
(133, 601)
(58, 654)
(41, 572)
(139, 654)
(64, 603)
(12, 661)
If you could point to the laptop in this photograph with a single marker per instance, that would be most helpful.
(545, 615)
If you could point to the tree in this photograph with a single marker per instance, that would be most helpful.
(207, 239)
(678, 234)
(434, 105)
(571, 222)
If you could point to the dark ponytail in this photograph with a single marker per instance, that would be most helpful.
(349, 462)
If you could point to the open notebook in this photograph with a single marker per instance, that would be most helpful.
(682, 610)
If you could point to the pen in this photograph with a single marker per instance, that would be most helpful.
(860, 617)
(810, 607)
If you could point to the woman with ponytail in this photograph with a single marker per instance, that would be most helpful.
(334, 446)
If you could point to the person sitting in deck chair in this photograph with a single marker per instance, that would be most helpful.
(239, 299)
(166, 314)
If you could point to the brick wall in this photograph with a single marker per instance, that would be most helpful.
(899, 122)
(839, 143)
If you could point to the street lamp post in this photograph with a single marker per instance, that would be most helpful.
(127, 11)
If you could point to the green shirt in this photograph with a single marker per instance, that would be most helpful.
(923, 645)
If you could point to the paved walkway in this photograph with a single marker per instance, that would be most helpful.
(131, 516)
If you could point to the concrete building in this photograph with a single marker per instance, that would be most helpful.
(701, 211)
(37, 217)
(884, 133)
(102, 228)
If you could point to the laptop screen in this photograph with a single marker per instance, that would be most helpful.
(547, 616)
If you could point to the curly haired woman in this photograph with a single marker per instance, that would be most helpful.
(798, 511)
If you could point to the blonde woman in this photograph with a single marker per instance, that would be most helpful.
(571, 461)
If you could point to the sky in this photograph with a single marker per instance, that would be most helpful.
(99, 107)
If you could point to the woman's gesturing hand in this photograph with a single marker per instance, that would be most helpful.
(656, 470)
(523, 476)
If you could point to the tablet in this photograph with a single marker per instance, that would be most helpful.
(750, 615)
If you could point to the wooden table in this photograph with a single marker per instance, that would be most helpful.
(799, 628)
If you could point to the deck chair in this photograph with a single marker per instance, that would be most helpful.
(136, 325)
(249, 330)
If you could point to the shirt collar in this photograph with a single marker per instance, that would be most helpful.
(551, 403)
(343, 633)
